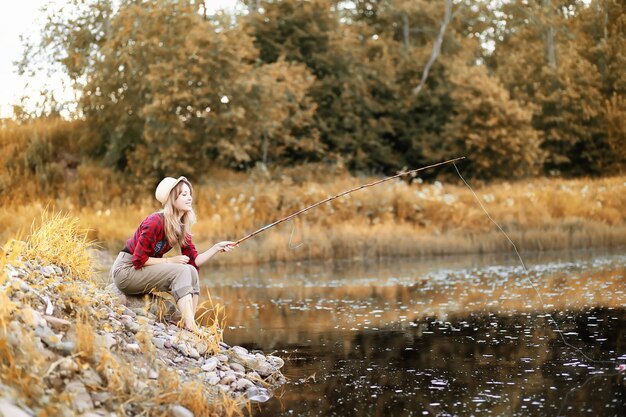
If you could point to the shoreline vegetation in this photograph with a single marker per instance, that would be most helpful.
(69, 346)
(395, 219)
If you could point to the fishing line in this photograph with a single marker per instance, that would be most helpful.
(558, 329)
(292, 247)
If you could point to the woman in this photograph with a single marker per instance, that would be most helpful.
(141, 267)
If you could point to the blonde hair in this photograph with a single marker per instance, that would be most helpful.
(177, 228)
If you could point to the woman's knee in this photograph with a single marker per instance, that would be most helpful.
(195, 280)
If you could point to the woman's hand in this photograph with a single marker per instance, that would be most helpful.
(180, 259)
(225, 246)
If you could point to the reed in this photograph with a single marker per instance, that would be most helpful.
(393, 219)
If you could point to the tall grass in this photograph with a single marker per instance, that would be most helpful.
(393, 219)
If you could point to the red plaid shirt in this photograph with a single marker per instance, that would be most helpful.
(149, 241)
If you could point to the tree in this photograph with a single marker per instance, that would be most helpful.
(492, 130)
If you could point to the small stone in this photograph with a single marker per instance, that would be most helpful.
(214, 380)
(69, 365)
(275, 361)
(32, 317)
(109, 340)
(253, 376)
(133, 348)
(81, 401)
(140, 385)
(228, 379)
(180, 411)
(158, 342)
(91, 378)
(100, 396)
(257, 394)
(237, 367)
(244, 384)
(57, 323)
(153, 374)
(9, 409)
(265, 369)
(202, 348)
(239, 350)
(222, 358)
(178, 359)
(193, 353)
(210, 364)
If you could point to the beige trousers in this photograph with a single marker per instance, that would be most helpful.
(178, 279)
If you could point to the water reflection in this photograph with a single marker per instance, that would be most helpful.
(403, 339)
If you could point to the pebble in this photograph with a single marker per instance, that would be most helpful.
(237, 367)
(210, 364)
(158, 342)
(133, 348)
(9, 409)
(81, 401)
(57, 323)
(180, 411)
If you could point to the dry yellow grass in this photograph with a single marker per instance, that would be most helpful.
(392, 219)
(23, 367)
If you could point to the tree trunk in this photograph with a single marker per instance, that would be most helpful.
(405, 29)
(550, 46)
(447, 16)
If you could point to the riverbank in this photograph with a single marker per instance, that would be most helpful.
(68, 346)
(392, 219)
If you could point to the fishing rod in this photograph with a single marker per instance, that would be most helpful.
(326, 200)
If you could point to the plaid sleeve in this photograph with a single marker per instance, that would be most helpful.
(190, 250)
(147, 236)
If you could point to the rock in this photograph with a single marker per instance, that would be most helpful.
(8, 409)
(69, 365)
(31, 317)
(239, 350)
(57, 323)
(228, 379)
(265, 369)
(213, 380)
(81, 401)
(109, 340)
(100, 396)
(193, 353)
(153, 374)
(91, 378)
(180, 411)
(275, 361)
(257, 394)
(244, 384)
(133, 348)
(158, 342)
(222, 358)
(202, 348)
(66, 348)
(237, 367)
(253, 376)
(210, 364)
(140, 385)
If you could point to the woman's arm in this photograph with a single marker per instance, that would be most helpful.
(225, 246)
(180, 259)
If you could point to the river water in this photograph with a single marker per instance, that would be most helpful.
(449, 336)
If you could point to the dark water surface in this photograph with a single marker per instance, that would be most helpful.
(456, 336)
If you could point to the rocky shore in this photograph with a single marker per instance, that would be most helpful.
(68, 347)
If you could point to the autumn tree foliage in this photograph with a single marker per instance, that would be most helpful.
(519, 88)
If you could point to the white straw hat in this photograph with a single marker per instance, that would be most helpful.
(165, 187)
